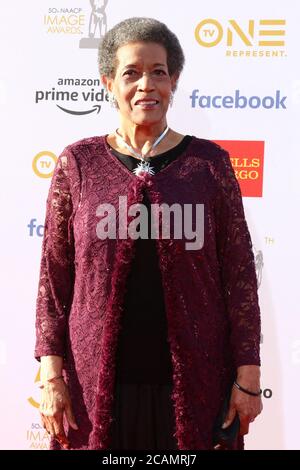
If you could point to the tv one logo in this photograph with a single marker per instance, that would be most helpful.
(44, 163)
(258, 38)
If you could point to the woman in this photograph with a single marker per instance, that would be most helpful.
(140, 338)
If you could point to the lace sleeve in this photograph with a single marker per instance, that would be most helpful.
(237, 267)
(57, 261)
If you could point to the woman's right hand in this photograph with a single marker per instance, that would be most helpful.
(55, 401)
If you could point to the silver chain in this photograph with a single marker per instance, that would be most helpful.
(141, 156)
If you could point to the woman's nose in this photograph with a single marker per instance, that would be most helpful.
(145, 82)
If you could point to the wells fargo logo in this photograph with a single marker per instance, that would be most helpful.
(253, 38)
(247, 158)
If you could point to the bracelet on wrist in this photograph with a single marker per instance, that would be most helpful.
(242, 389)
(56, 377)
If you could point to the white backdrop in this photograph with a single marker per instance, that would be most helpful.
(47, 48)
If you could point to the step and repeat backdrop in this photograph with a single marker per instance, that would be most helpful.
(240, 87)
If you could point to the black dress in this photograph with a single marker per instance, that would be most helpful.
(143, 410)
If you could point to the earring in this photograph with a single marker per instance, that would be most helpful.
(171, 98)
(112, 100)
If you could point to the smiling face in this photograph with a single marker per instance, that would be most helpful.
(142, 84)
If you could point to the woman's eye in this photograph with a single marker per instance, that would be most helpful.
(129, 72)
(134, 73)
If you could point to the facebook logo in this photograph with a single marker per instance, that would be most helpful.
(238, 101)
(35, 229)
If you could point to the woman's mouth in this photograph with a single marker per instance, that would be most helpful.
(147, 104)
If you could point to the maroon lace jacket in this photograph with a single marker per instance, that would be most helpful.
(210, 294)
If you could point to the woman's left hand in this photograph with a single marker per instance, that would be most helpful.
(247, 406)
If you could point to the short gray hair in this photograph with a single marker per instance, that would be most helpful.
(139, 29)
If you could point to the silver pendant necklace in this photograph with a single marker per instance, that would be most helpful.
(143, 166)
